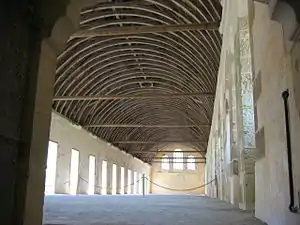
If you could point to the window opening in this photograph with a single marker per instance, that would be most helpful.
(92, 170)
(191, 163)
(178, 159)
(51, 168)
(114, 179)
(104, 178)
(165, 164)
(74, 171)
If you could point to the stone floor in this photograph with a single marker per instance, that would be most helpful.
(138, 210)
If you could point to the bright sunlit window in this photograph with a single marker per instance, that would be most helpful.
(191, 163)
(178, 159)
(51, 168)
(114, 180)
(104, 178)
(165, 165)
(92, 170)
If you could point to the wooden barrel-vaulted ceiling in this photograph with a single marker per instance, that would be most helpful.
(142, 74)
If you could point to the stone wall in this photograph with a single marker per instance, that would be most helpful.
(258, 63)
(25, 104)
(232, 144)
(178, 179)
(70, 137)
(274, 64)
(15, 48)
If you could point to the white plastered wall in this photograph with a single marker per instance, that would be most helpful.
(68, 137)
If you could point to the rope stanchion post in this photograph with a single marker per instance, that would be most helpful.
(181, 190)
(143, 184)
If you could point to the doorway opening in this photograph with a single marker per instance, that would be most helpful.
(93, 70)
(92, 170)
(114, 179)
(74, 172)
(104, 178)
(51, 168)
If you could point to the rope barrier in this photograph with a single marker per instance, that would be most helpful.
(146, 178)
(187, 189)
(99, 187)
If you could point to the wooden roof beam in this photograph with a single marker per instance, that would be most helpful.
(120, 97)
(125, 31)
(158, 142)
(145, 152)
(144, 126)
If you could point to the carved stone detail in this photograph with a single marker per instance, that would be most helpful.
(246, 85)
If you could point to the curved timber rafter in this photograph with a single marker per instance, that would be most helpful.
(141, 73)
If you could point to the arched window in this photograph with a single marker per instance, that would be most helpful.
(178, 159)
(191, 163)
(165, 163)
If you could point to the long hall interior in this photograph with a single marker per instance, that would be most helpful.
(150, 112)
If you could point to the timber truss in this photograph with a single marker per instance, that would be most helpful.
(142, 74)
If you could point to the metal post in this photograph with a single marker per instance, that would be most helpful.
(292, 207)
(143, 180)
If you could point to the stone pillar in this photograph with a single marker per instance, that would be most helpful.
(247, 160)
(118, 179)
(28, 62)
(125, 180)
(19, 63)
(27, 76)
(109, 177)
(83, 177)
(62, 180)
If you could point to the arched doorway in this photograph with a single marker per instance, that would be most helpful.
(38, 33)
